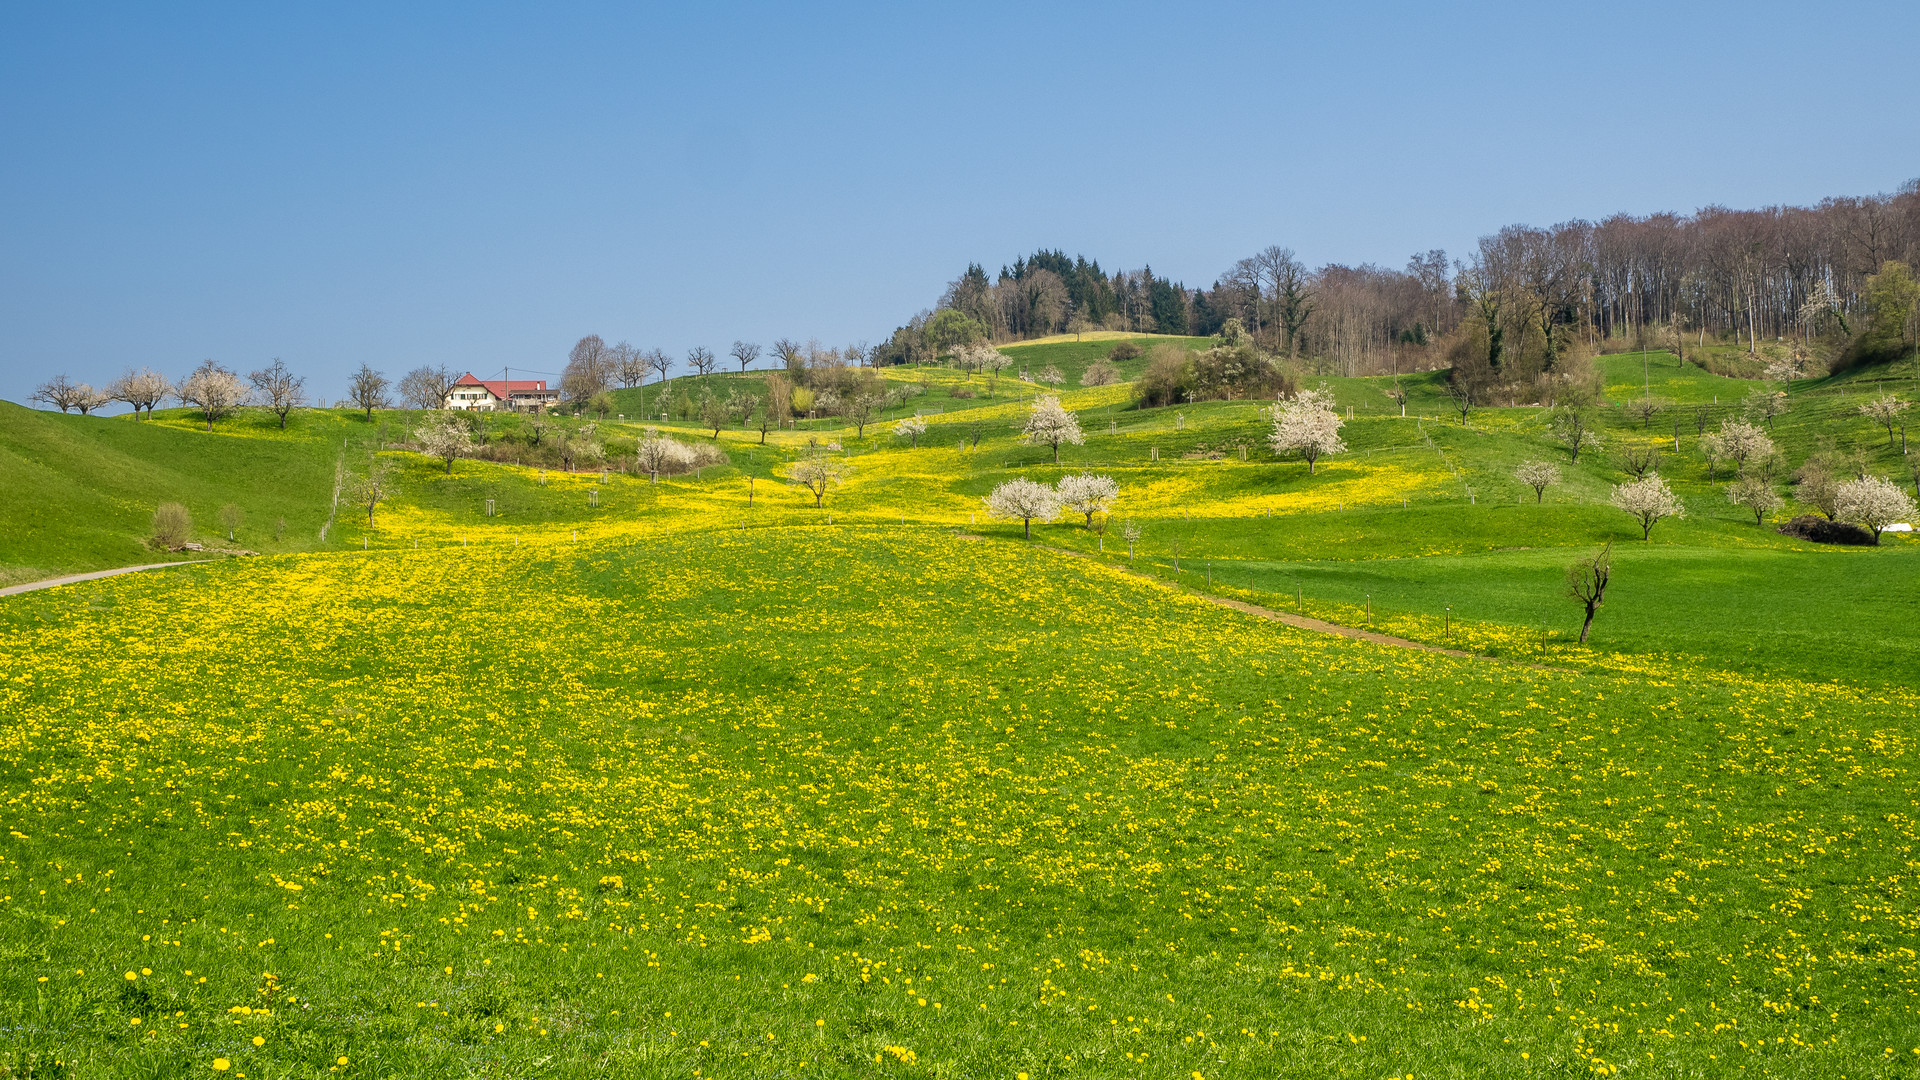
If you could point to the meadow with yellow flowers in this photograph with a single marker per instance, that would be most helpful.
(872, 800)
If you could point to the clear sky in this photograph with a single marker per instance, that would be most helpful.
(479, 185)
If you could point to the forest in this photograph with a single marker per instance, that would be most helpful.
(1520, 302)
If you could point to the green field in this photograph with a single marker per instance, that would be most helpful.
(693, 778)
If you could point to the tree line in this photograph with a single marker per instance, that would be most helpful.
(1809, 274)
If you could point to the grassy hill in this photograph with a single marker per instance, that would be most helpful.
(579, 774)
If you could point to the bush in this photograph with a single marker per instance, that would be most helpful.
(1125, 350)
(1100, 373)
(172, 526)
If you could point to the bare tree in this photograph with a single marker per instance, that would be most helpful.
(792, 355)
(230, 519)
(701, 360)
(1638, 461)
(172, 526)
(1048, 422)
(141, 389)
(446, 438)
(279, 389)
(629, 365)
(1757, 494)
(1084, 493)
(426, 387)
(1307, 425)
(860, 409)
(86, 398)
(714, 414)
(1100, 373)
(746, 352)
(1538, 475)
(1644, 409)
(212, 390)
(61, 392)
(1587, 584)
(1573, 426)
(1398, 395)
(589, 370)
(370, 489)
(1648, 500)
(1874, 503)
(367, 390)
(1024, 499)
(1132, 534)
(660, 363)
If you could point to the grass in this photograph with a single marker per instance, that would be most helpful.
(888, 802)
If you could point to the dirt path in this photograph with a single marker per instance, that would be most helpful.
(71, 578)
(1302, 622)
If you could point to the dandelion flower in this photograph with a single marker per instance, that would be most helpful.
(221, 1064)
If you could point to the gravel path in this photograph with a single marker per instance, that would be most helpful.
(71, 578)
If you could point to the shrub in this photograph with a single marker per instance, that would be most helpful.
(172, 526)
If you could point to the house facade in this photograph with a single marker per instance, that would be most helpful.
(470, 394)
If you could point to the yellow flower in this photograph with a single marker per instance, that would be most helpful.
(221, 1064)
(342, 1060)
(258, 1041)
(131, 976)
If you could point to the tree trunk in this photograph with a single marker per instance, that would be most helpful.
(1028, 522)
(1585, 626)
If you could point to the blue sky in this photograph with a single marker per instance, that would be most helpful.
(479, 185)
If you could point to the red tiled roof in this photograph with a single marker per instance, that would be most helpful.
(500, 388)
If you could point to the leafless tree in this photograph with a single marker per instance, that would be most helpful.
(172, 526)
(1885, 410)
(371, 488)
(701, 360)
(629, 365)
(230, 519)
(367, 390)
(1131, 533)
(61, 392)
(1573, 426)
(212, 390)
(279, 389)
(589, 370)
(426, 387)
(1100, 373)
(1587, 584)
(860, 408)
(792, 355)
(660, 363)
(1638, 461)
(746, 352)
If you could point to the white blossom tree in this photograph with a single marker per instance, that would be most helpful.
(1052, 424)
(446, 438)
(818, 472)
(1739, 442)
(1757, 494)
(1648, 499)
(1087, 494)
(212, 390)
(911, 429)
(141, 389)
(1307, 425)
(1024, 499)
(1538, 475)
(1885, 410)
(657, 454)
(1873, 503)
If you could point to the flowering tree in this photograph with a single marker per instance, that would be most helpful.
(911, 428)
(1874, 503)
(1885, 410)
(1024, 499)
(1052, 424)
(1087, 494)
(213, 390)
(818, 472)
(446, 438)
(1538, 475)
(1756, 493)
(1309, 425)
(1051, 376)
(1648, 499)
(141, 389)
(1574, 426)
(656, 455)
(1739, 442)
